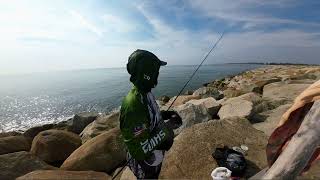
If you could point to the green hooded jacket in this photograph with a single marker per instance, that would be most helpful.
(141, 134)
(141, 123)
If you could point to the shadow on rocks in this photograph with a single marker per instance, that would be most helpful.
(258, 118)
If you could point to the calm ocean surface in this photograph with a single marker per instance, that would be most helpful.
(39, 98)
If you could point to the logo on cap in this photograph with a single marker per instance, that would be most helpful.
(146, 77)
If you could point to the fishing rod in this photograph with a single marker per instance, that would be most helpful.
(185, 85)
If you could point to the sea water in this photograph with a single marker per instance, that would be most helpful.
(34, 99)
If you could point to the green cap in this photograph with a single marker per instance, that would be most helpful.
(143, 66)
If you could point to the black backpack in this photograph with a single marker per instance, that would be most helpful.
(231, 159)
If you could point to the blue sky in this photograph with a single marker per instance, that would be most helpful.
(43, 35)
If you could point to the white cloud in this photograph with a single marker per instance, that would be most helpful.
(187, 47)
(87, 24)
(117, 24)
(177, 46)
(41, 38)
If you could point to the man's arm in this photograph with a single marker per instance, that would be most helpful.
(137, 136)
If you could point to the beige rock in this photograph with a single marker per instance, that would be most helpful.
(239, 108)
(258, 85)
(55, 145)
(104, 152)
(190, 156)
(209, 103)
(267, 104)
(272, 120)
(281, 90)
(191, 114)
(208, 92)
(13, 144)
(64, 175)
(181, 100)
(251, 97)
(17, 164)
(229, 93)
(102, 124)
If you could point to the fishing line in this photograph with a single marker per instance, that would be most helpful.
(185, 85)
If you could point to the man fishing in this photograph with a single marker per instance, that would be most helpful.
(142, 125)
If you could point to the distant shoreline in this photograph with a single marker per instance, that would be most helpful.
(273, 63)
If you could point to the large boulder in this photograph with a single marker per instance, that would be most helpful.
(258, 86)
(80, 121)
(34, 131)
(16, 164)
(281, 90)
(102, 124)
(208, 92)
(13, 144)
(272, 119)
(190, 156)
(230, 93)
(181, 100)
(104, 152)
(266, 104)
(54, 146)
(239, 108)
(64, 175)
(251, 97)
(191, 114)
(209, 103)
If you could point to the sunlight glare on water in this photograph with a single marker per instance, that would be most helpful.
(41, 98)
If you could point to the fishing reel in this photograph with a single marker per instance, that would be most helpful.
(171, 119)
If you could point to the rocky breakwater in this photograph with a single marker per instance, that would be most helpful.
(239, 110)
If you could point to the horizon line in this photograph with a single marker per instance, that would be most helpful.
(118, 67)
